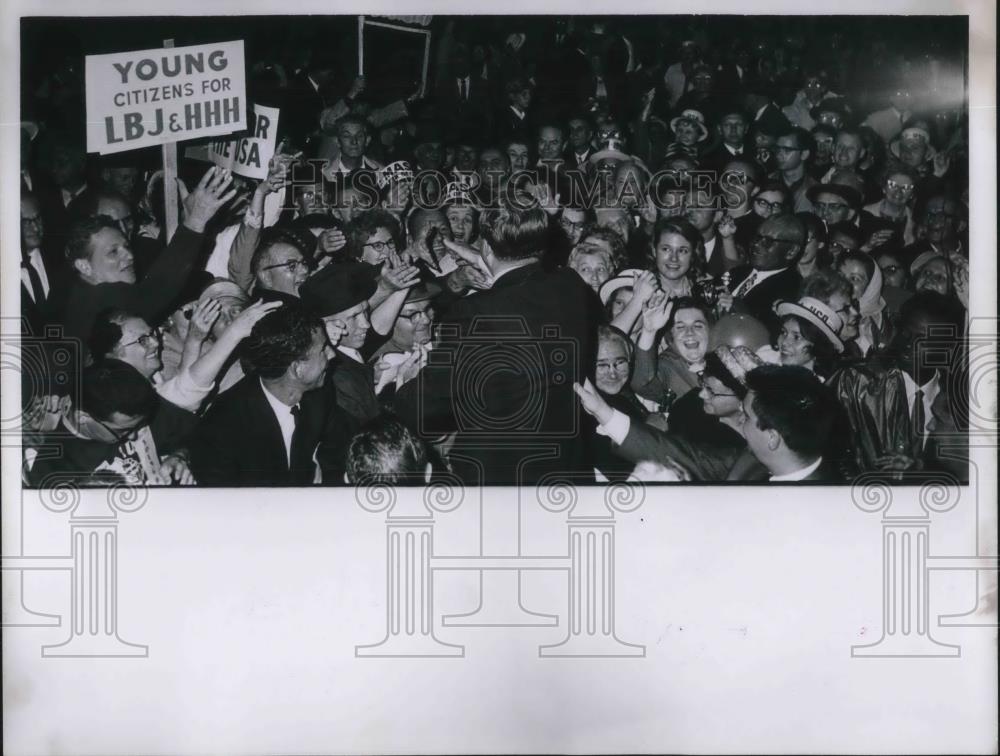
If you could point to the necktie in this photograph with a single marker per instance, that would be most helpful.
(917, 421)
(464, 86)
(37, 290)
(747, 284)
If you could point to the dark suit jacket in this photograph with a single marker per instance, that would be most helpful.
(503, 375)
(239, 442)
(475, 112)
(759, 301)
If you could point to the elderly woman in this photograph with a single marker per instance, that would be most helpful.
(593, 263)
(673, 372)
(808, 336)
(614, 366)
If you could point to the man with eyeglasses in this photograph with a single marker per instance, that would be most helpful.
(117, 433)
(839, 200)
(771, 274)
(941, 219)
(279, 266)
(791, 153)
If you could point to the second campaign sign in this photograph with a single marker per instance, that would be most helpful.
(138, 99)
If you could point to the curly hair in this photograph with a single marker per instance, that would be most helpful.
(365, 225)
(614, 240)
(279, 339)
(824, 283)
(106, 333)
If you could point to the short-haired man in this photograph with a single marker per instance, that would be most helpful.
(516, 117)
(353, 138)
(789, 416)
(771, 274)
(503, 355)
(273, 428)
(118, 433)
(279, 265)
(791, 153)
(581, 132)
(105, 267)
(386, 452)
(732, 128)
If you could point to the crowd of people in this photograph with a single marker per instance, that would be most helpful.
(573, 254)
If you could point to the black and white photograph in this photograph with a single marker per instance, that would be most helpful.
(659, 347)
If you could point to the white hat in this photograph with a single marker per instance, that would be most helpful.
(819, 314)
(691, 115)
(623, 280)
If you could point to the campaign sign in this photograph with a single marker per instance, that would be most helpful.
(249, 155)
(149, 97)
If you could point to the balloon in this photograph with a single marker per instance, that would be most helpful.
(736, 329)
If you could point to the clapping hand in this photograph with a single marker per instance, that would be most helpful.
(397, 275)
(726, 226)
(44, 413)
(644, 286)
(330, 241)
(174, 469)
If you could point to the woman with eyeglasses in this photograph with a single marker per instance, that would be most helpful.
(896, 205)
(372, 236)
(705, 430)
(612, 374)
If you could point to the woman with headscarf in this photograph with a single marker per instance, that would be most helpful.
(865, 276)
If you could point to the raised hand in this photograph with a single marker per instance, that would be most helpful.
(212, 192)
(330, 241)
(397, 275)
(203, 317)
(644, 287)
(592, 402)
(335, 330)
(463, 251)
(656, 312)
(877, 239)
(244, 322)
(726, 226)
(44, 413)
(546, 201)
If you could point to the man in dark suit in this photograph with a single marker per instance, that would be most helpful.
(516, 119)
(771, 275)
(789, 417)
(37, 272)
(464, 96)
(502, 375)
(274, 427)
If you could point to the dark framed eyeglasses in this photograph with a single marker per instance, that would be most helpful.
(768, 240)
(763, 203)
(427, 314)
(146, 340)
(120, 436)
(293, 266)
(705, 387)
(380, 247)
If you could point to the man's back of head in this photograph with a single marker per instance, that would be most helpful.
(515, 235)
(386, 452)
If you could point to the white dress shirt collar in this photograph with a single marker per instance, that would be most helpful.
(285, 418)
(801, 474)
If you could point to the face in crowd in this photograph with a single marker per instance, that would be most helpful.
(517, 153)
(462, 221)
(110, 260)
(689, 335)
(284, 269)
(573, 222)
(673, 256)
(550, 144)
(311, 369)
(793, 346)
(591, 263)
(768, 203)
(893, 271)
(612, 372)
(139, 346)
(378, 246)
(414, 324)
(848, 150)
(32, 229)
(357, 322)
(935, 275)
